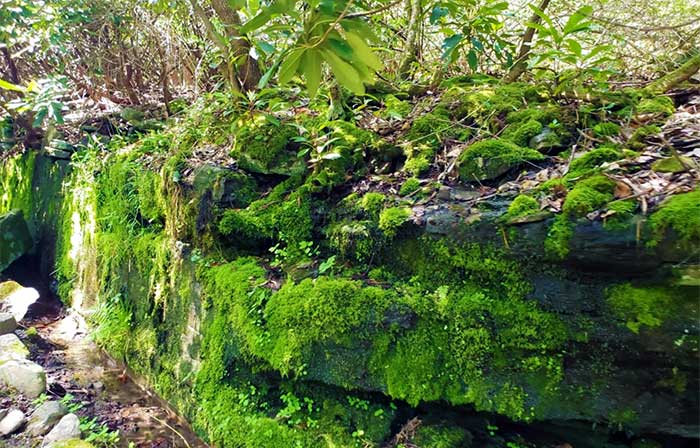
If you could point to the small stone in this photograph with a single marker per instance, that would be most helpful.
(444, 193)
(8, 324)
(45, 416)
(71, 443)
(98, 386)
(11, 348)
(12, 422)
(67, 428)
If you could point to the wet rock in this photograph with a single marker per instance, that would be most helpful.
(11, 348)
(18, 301)
(12, 422)
(71, 443)
(45, 417)
(67, 428)
(8, 324)
(15, 239)
(25, 376)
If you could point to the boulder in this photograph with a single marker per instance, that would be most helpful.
(25, 376)
(45, 417)
(8, 324)
(15, 239)
(12, 422)
(11, 348)
(18, 301)
(67, 428)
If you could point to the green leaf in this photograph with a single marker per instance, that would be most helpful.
(345, 73)
(574, 47)
(363, 51)
(311, 66)
(289, 67)
(449, 45)
(341, 48)
(438, 13)
(39, 117)
(256, 22)
(9, 86)
(472, 60)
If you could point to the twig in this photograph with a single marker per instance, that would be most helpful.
(172, 429)
(373, 11)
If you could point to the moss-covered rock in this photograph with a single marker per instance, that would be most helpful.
(489, 159)
(592, 159)
(660, 106)
(673, 164)
(15, 239)
(264, 146)
(680, 214)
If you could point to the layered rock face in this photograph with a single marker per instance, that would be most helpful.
(280, 305)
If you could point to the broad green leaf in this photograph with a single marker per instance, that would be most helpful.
(289, 67)
(345, 73)
(256, 22)
(363, 51)
(39, 117)
(449, 45)
(472, 59)
(574, 46)
(311, 67)
(341, 48)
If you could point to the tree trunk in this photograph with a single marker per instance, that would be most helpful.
(11, 67)
(520, 64)
(247, 67)
(227, 71)
(669, 81)
(415, 22)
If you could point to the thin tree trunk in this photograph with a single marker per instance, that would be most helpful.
(11, 67)
(226, 69)
(520, 64)
(248, 70)
(415, 21)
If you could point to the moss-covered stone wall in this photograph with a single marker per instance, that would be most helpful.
(276, 307)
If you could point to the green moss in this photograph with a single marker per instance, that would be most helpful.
(638, 139)
(681, 214)
(354, 240)
(639, 307)
(410, 185)
(521, 134)
(588, 195)
(261, 146)
(392, 218)
(395, 108)
(489, 102)
(439, 436)
(424, 139)
(592, 159)
(660, 105)
(673, 164)
(606, 129)
(489, 159)
(522, 205)
(623, 210)
(373, 203)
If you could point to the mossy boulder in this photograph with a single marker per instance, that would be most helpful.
(673, 164)
(15, 239)
(266, 147)
(489, 159)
